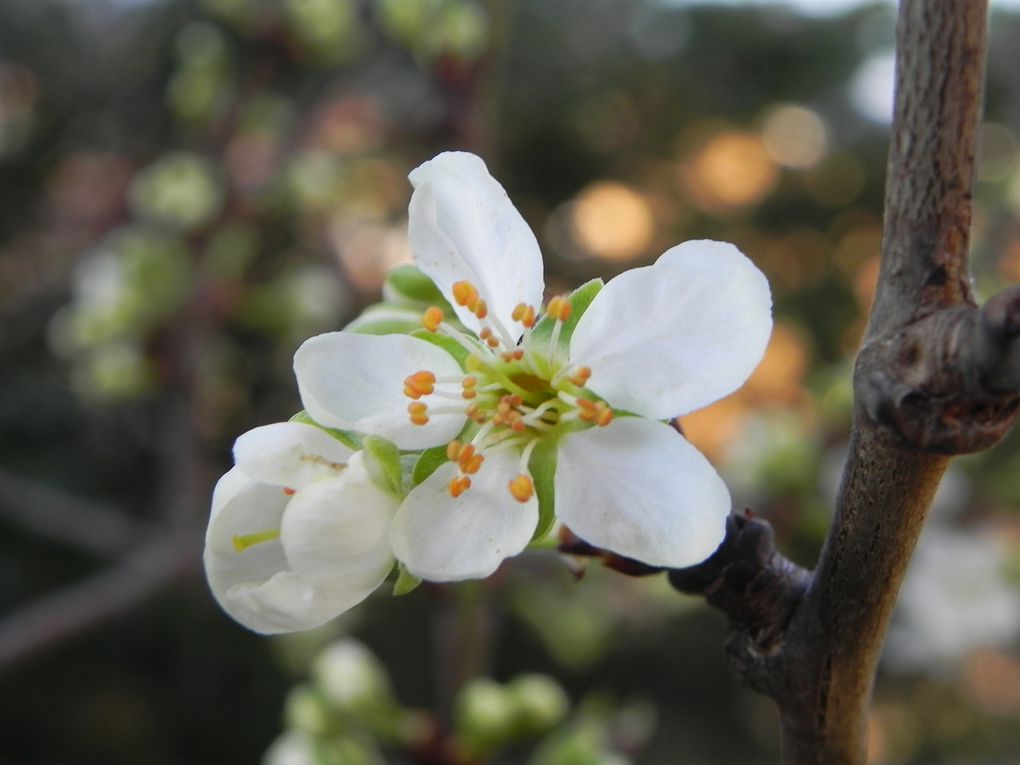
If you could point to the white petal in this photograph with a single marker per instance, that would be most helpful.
(463, 227)
(290, 454)
(673, 337)
(256, 586)
(356, 382)
(442, 538)
(639, 489)
(336, 534)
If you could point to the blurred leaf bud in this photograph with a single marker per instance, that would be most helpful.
(485, 715)
(181, 191)
(540, 703)
(306, 710)
(351, 678)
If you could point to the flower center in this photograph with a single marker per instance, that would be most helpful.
(515, 395)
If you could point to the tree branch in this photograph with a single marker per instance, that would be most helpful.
(935, 377)
(923, 307)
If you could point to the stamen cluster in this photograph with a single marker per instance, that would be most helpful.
(515, 395)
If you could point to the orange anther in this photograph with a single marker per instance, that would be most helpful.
(459, 485)
(432, 319)
(464, 293)
(518, 354)
(466, 452)
(492, 342)
(471, 465)
(469, 382)
(453, 450)
(507, 356)
(580, 376)
(481, 310)
(517, 425)
(289, 491)
(419, 413)
(559, 308)
(522, 488)
(469, 393)
(486, 333)
(525, 314)
(585, 406)
(604, 417)
(419, 384)
(475, 413)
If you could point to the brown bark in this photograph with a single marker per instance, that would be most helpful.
(935, 376)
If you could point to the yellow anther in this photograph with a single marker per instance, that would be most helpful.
(418, 412)
(459, 485)
(525, 314)
(453, 450)
(419, 384)
(580, 376)
(432, 319)
(464, 293)
(481, 310)
(522, 488)
(559, 308)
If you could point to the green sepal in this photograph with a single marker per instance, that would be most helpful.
(347, 438)
(447, 343)
(539, 337)
(406, 581)
(427, 464)
(542, 466)
(383, 463)
(407, 284)
(386, 319)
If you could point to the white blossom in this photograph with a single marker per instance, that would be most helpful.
(593, 381)
(298, 532)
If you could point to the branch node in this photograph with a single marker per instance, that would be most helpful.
(757, 588)
(948, 383)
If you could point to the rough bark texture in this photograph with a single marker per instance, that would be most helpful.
(935, 376)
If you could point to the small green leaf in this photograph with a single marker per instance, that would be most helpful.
(447, 343)
(348, 439)
(427, 463)
(407, 284)
(406, 581)
(542, 466)
(383, 463)
(539, 337)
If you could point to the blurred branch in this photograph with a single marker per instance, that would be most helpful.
(91, 526)
(139, 575)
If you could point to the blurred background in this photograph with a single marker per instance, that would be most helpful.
(190, 188)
